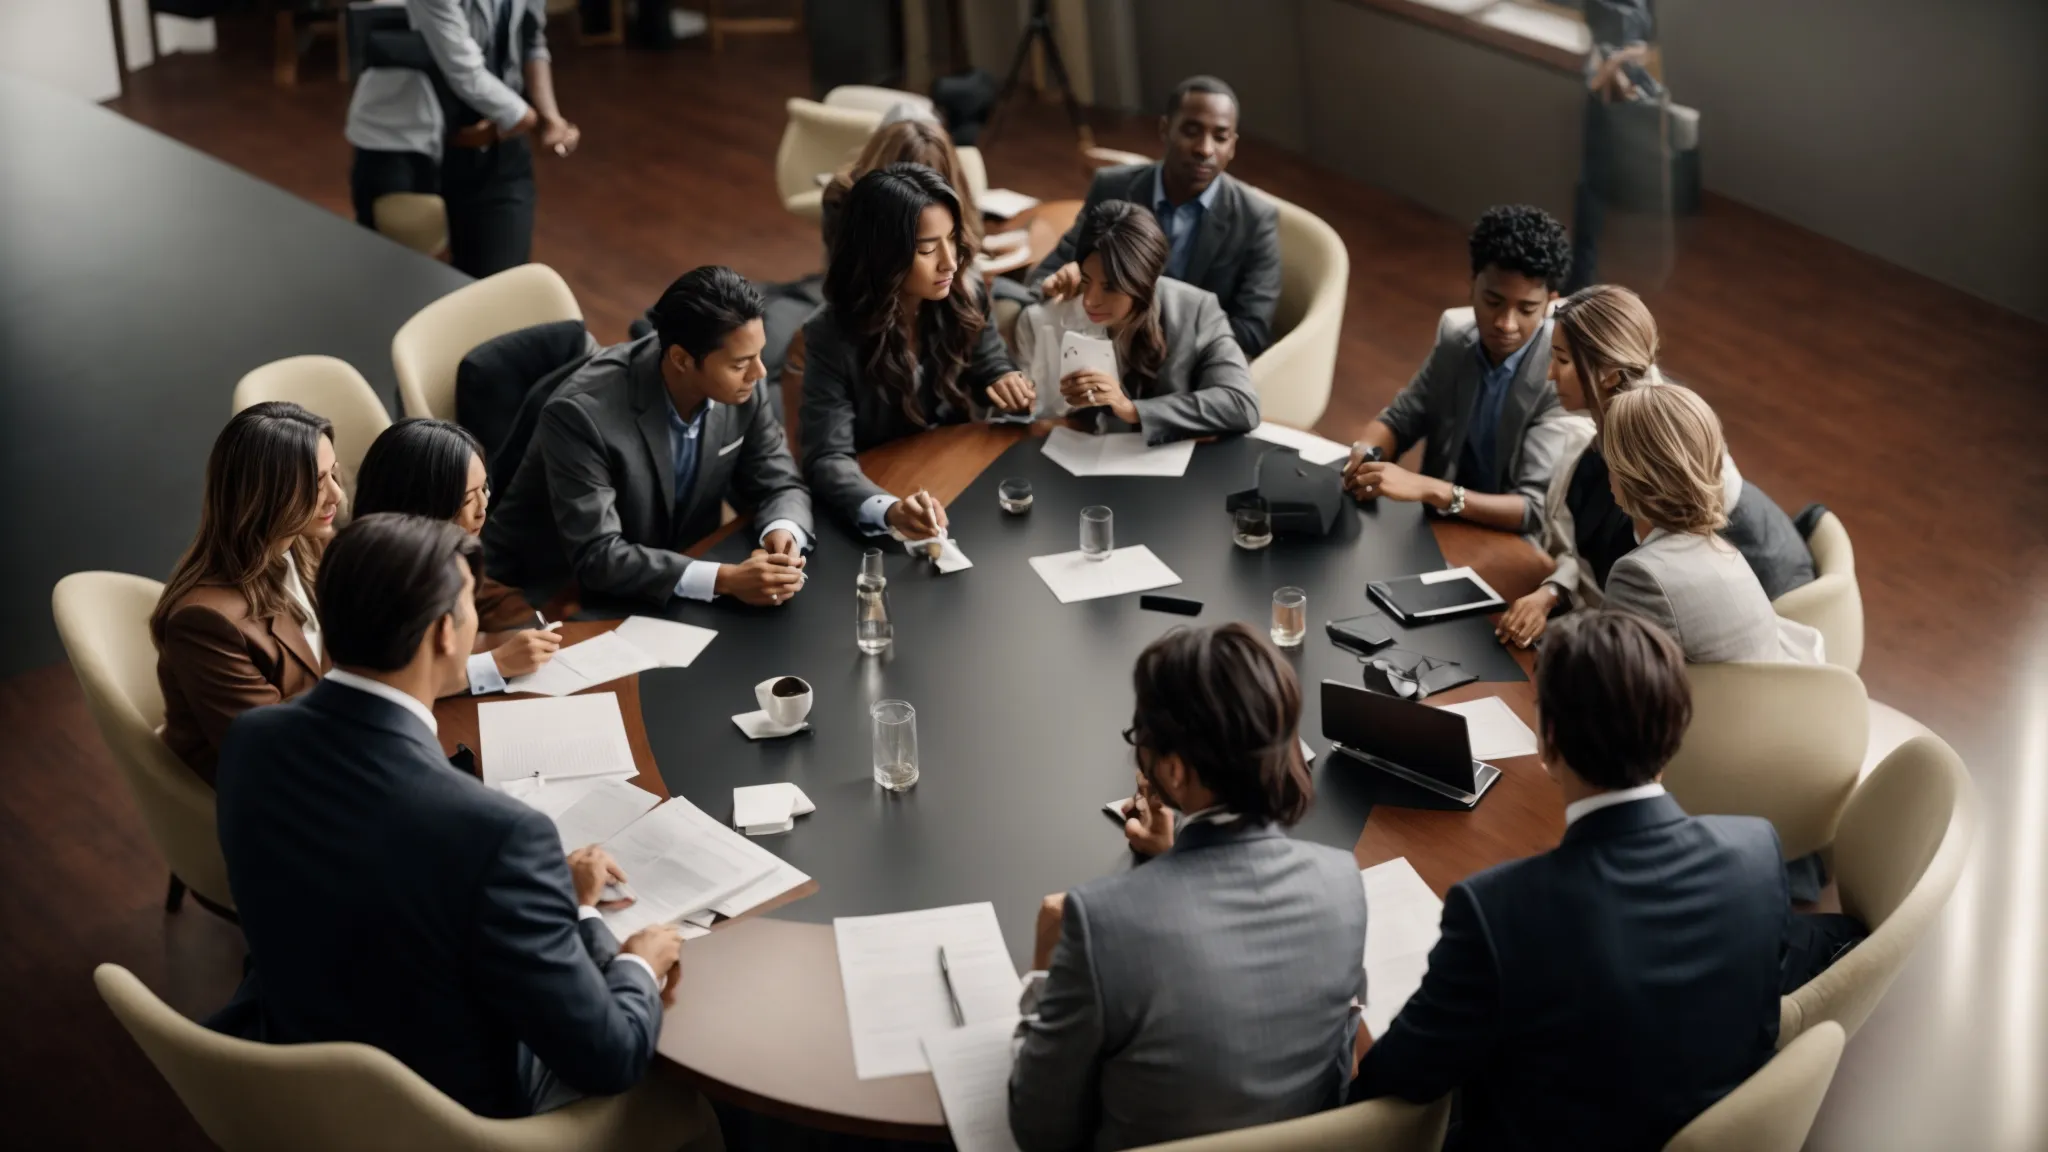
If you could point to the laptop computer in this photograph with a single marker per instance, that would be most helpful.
(1424, 746)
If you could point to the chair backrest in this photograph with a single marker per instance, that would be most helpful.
(1833, 602)
(1294, 374)
(418, 220)
(1901, 846)
(974, 169)
(103, 620)
(429, 347)
(330, 388)
(869, 98)
(1778, 740)
(818, 139)
(1382, 1125)
(1773, 1110)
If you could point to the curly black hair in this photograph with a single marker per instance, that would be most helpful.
(1518, 238)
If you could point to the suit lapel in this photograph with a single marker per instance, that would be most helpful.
(710, 438)
(291, 636)
(1532, 376)
(650, 401)
(1462, 396)
(1209, 233)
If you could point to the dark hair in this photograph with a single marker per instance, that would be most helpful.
(1223, 701)
(1192, 84)
(1613, 697)
(262, 485)
(703, 307)
(384, 582)
(1134, 252)
(419, 467)
(871, 255)
(1521, 239)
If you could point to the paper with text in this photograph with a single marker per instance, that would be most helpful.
(679, 860)
(674, 645)
(780, 876)
(895, 993)
(971, 1067)
(1072, 576)
(593, 809)
(1402, 921)
(564, 737)
(605, 657)
(1311, 447)
(1116, 454)
(1494, 730)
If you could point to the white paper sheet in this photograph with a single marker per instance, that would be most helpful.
(1080, 351)
(971, 1067)
(895, 993)
(553, 678)
(593, 809)
(780, 876)
(1494, 730)
(1116, 454)
(762, 804)
(758, 726)
(679, 860)
(1313, 448)
(558, 739)
(1073, 576)
(673, 645)
(1002, 203)
(605, 657)
(1402, 919)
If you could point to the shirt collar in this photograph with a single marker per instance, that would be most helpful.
(1513, 364)
(1577, 808)
(1214, 814)
(379, 688)
(691, 426)
(1206, 199)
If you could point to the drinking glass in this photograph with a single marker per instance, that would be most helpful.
(1254, 527)
(872, 630)
(895, 727)
(1014, 496)
(1290, 617)
(1098, 535)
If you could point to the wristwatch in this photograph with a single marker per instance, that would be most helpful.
(1457, 503)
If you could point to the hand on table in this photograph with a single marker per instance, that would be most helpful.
(661, 945)
(1014, 392)
(1148, 823)
(590, 869)
(782, 542)
(524, 652)
(1063, 283)
(1050, 912)
(764, 580)
(918, 516)
(1374, 478)
(1093, 388)
(1526, 618)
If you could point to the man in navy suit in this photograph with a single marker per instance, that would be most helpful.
(390, 898)
(1601, 995)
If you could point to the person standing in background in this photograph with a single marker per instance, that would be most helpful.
(451, 112)
(1616, 76)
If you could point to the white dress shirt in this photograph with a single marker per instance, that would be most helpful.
(1578, 808)
(309, 620)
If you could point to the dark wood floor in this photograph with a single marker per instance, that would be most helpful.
(1910, 408)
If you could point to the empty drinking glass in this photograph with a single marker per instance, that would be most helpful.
(1254, 527)
(895, 725)
(1014, 496)
(1290, 617)
(872, 629)
(1098, 534)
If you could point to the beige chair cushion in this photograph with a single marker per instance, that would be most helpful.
(1773, 1110)
(430, 346)
(1383, 1125)
(1833, 602)
(348, 1097)
(103, 619)
(816, 141)
(418, 220)
(869, 98)
(1294, 374)
(330, 388)
(1781, 741)
(1901, 845)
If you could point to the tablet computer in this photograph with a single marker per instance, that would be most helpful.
(1436, 595)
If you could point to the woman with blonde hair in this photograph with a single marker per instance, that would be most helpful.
(1606, 342)
(908, 141)
(1664, 450)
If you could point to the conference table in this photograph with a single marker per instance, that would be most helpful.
(1020, 702)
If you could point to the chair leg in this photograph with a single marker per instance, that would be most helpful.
(175, 898)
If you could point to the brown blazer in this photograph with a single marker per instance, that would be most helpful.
(216, 661)
(501, 607)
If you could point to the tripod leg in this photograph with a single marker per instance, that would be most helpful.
(1059, 74)
(995, 116)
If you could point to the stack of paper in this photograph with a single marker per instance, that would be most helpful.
(1494, 730)
(767, 809)
(554, 739)
(780, 876)
(590, 810)
(1116, 454)
(1073, 576)
(896, 991)
(679, 861)
(1402, 921)
(971, 1067)
(1308, 445)
(640, 643)
(1002, 203)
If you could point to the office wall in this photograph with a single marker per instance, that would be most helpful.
(1257, 48)
(68, 44)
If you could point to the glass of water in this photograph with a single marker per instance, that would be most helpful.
(1290, 617)
(1098, 532)
(1254, 527)
(895, 728)
(872, 630)
(1014, 496)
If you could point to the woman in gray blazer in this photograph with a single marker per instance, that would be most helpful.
(1180, 372)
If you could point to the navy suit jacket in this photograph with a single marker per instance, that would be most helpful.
(391, 899)
(1603, 994)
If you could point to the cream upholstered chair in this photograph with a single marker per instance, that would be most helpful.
(1833, 602)
(328, 387)
(1383, 1125)
(430, 346)
(870, 98)
(1772, 1110)
(817, 140)
(1294, 374)
(1901, 845)
(103, 619)
(418, 220)
(345, 1097)
(1777, 740)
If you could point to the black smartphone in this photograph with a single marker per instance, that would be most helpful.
(1173, 604)
(1360, 635)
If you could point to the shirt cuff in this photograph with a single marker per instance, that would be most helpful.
(699, 582)
(1031, 990)
(803, 538)
(484, 677)
(630, 958)
(873, 512)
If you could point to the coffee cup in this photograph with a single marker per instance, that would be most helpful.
(785, 699)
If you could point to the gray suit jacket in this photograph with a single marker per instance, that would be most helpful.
(595, 495)
(1206, 990)
(1436, 407)
(1701, 590)
(1236, 253)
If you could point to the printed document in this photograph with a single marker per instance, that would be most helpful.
(556, 739)
(678, 860)
(971, 1066)
(1402, 921)
(1494, 730)
(896, 993)
(1073, 576)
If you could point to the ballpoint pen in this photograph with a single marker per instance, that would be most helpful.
(952, 997)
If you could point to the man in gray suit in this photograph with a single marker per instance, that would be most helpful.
(1225, 237)
(635, 454)
(1214, 986)
(1483, 401)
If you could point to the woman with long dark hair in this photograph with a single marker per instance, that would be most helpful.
(435, 468)
(1180, 372)
(910, 141)
(903, 344)
(236, 627)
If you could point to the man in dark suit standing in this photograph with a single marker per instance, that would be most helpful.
(1603, 994)
(635, 454)
(390, 898)
(1225, 237)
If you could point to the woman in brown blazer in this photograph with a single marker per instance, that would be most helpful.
(236, 627)
(435, 468)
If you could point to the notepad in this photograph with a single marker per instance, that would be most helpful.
(895, 992)
(1072, 576)
(1307, 445)
(558, 739)
(1116, 454)
(1494, 730)
(971, 1068)
(1402, 922)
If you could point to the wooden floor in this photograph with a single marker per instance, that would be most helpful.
(1911, 409)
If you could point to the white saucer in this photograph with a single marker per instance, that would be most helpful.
(758, 727)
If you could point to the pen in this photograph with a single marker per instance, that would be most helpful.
(541, 622)
(952, 997)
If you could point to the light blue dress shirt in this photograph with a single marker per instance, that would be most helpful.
(1181, 222)
(700, 578)
(1477, 464)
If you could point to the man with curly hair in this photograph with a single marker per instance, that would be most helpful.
(1482, 403)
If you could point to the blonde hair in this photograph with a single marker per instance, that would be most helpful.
(1664, 448)
(1612, 340)
(914, 142)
